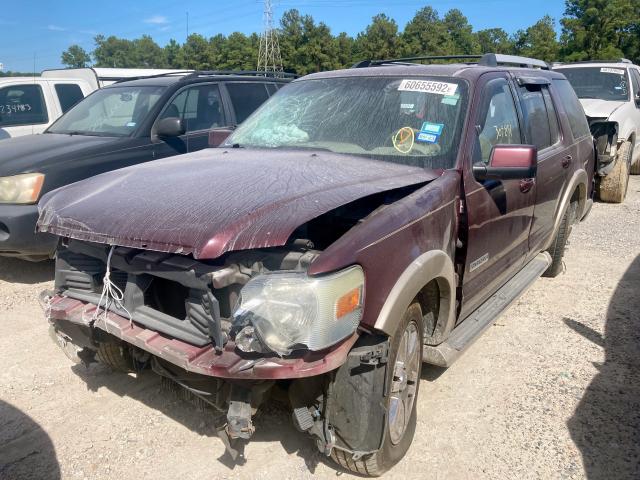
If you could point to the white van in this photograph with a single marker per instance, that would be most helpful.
(29, 105)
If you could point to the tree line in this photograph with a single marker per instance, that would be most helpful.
(590, 29)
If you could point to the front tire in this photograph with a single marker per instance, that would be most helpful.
(613, 187)
(403, 377)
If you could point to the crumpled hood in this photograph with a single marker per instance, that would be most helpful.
(39, 153)
(216, 200)
(596, 108)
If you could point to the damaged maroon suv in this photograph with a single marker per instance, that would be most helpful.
(360, 223)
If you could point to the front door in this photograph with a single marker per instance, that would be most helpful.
(499, 213)
(200, 108)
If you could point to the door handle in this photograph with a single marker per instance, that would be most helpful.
(527, 184)
(566, 161)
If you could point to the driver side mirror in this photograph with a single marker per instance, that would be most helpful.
(170, 127)
(509, 162)
(637, 99)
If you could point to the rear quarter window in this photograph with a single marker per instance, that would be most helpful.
(576, 116)
(22, 105)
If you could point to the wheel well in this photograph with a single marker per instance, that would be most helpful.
(429, 299)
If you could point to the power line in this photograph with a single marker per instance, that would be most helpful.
(269, 58)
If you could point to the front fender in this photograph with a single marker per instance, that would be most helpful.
(434, 265)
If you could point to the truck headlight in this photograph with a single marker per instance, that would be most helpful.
(290, 310)
(24, 188)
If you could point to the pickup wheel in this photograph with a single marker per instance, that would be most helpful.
(613, 187)
(403, 378)
(560, 242)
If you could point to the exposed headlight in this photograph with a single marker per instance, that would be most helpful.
(24, 188)
(290, 310)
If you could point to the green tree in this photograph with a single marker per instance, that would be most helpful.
(147, 54)
(598, 29)
(344, 45)
(425, 34)
(494, 40)
(195, 53)
(235, 52)
(75, 57)
(538, 41)
(461, 33)
(113, 52)
(379, 40)
(171, 54)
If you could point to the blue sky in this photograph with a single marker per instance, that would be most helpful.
(46, 28)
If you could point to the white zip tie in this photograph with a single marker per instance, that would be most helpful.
(110, 292)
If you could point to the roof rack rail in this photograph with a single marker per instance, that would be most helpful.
(619, 60)
(187, 74)
(256, 73)
(410, 60)
(487, 60)
(495, 59)
(158, 75)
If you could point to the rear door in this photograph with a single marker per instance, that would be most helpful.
(245, 98)
(499, 213)
(541, 128)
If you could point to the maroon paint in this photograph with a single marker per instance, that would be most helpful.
(509, 156)
(205, 360)
(216, 200)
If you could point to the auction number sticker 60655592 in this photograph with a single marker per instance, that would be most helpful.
(428, 86)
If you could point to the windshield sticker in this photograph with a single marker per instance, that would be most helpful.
(612, 70)
(428, 86)
(403, 140)
(407, 106)
(451, 99)
(130, 124)
(435, 128)
(425, 137)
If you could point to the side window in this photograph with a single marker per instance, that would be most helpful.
(575, 113)
(246, 98)
(69, 94)
(497, 121)
(635, 81)
(22, 105)
(536, 118)
(199, 107)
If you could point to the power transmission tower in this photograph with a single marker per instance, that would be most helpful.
(269, 59)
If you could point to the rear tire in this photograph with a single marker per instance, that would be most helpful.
(613, 187)
(404, 369)
(559, 245)
(115, 357)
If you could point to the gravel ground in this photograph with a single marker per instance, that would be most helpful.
(551, 391)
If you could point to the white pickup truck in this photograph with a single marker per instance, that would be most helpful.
(29, 105)
(610, 95)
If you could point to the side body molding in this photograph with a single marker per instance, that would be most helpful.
(432, 265)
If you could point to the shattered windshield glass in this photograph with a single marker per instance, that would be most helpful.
(412, 121)
(604, 83)
(111, 112)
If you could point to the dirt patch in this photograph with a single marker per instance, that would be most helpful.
(551, 391)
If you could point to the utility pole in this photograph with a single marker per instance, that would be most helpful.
(269, 58)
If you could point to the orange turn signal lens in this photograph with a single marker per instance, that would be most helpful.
(348, 302)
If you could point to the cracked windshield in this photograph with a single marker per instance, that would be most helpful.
(394, 119)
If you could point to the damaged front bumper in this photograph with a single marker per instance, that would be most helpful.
(229, 363)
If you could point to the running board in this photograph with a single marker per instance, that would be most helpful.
(486, 314)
